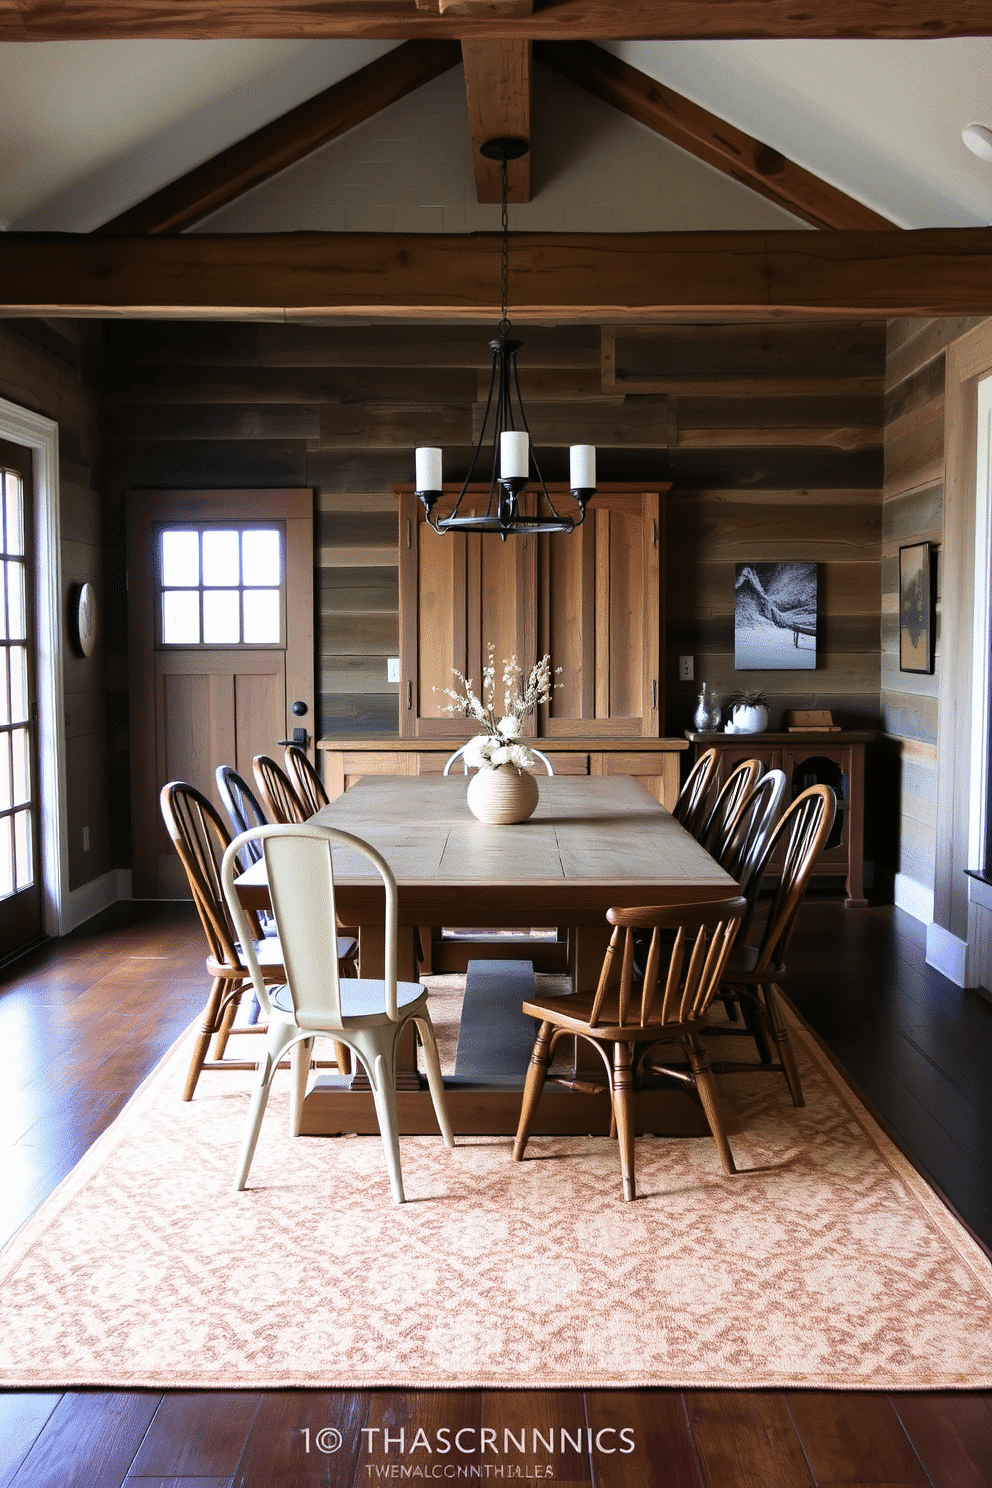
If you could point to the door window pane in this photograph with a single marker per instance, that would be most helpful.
(221, 617)
(261, 557)
(221, 560)
(180, 559)
(181, 617)
(222, 586)
(20, 758)
(5, 801)
(14, 514)
(16, 607)
(6, 858)
(18, 657)
(23, 864)
(3, 601)
(262, 616)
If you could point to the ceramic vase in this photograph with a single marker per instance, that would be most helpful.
(750, 718)
(502, 795)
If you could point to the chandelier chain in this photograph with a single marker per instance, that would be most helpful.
(505, 259)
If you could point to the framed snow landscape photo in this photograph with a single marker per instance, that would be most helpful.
(775, 617)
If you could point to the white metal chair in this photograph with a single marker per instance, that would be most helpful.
(459, 755)
(365, 1014)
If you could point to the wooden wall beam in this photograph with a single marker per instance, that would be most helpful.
(578, 277)
(566, 20)
(498, 90)
(285, 140)
(706, 136)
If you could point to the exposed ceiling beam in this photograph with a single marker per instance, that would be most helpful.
(285, 140)
(396, 20)
(706, 136)
(498, 89)
(577, 277)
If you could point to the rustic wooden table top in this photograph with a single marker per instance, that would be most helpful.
(592, 842)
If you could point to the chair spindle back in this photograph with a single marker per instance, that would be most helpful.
(282, 804)
(305, 781)
(693, 805)
(201, 840)
(801, 834)
(688, 981)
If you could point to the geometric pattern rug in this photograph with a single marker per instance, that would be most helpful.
(827, 1261)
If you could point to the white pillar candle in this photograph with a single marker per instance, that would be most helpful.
(582, 467)
(428, 469)
(514, 456)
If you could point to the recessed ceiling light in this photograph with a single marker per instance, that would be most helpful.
(978, 138)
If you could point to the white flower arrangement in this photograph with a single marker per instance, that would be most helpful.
(500, 743)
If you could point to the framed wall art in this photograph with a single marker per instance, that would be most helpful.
(775, 617)
(915, 608)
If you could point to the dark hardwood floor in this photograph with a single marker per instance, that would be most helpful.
(84, 1020)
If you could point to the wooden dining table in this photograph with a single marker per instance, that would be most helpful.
(592, 842)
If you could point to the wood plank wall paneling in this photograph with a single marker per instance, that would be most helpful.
(774, 446)
(53, 368)
(912, 511)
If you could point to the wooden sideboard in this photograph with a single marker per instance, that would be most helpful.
(826, 757)
(654, 762)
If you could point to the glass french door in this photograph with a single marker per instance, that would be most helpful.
(20, 877)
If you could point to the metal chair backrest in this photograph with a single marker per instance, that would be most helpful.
(459, 754)
(242, 806)
(693, 805)
(282, 804)
(300, 875)
(723, 815)
(681, 973)
(304, 779)
(799, 836)
(201, 840)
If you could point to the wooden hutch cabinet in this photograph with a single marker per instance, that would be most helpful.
(593, 600)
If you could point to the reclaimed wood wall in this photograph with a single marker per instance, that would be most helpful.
(912, 511)
(52, 368)
(772, 436)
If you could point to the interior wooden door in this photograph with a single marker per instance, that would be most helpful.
(220, 589)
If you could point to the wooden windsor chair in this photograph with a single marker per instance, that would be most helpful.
(692, 808)
(201, 838)
(690, 945)
(723, 813)
(304, 779)
(282, 803)
(753, 974)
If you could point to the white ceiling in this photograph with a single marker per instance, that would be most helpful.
(89, 128)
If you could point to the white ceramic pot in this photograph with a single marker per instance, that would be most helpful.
(750, 718)
(502, 795)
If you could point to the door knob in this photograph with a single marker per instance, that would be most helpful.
(299, 709)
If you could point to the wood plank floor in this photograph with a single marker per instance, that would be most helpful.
(83, 1021)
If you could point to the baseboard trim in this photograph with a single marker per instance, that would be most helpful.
(947, 954)
(915, 898)
(99, 894)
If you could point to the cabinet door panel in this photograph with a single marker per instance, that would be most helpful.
(601, 616)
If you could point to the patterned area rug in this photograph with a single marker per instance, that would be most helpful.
(827, 1262)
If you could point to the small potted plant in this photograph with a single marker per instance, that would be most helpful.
(749, 714)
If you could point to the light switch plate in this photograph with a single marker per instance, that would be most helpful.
(392, 669)
(686, 670)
